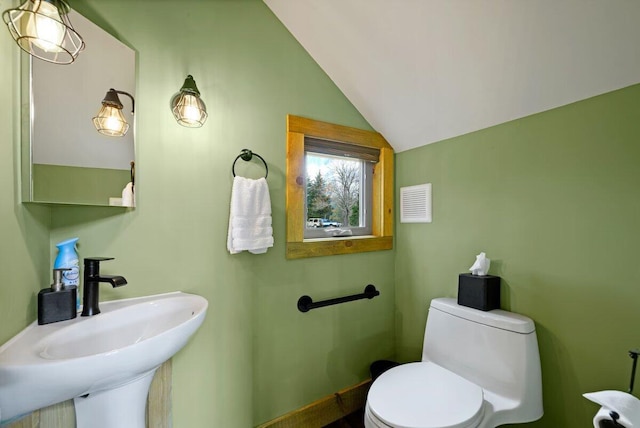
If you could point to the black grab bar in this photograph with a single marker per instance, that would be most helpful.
(634, 356)
(305, 303)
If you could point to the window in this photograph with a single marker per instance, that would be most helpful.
(339, 189)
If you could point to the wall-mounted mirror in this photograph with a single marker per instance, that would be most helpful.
(64, 159)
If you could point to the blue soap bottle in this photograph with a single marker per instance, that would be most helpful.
(68, 259)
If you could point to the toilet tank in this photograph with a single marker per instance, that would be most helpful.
(497, 350)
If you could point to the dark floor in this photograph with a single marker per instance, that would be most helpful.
(353, 420)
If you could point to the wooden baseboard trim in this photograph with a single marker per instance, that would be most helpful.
(326, 410)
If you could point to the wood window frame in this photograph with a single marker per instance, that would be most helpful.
(382, 201)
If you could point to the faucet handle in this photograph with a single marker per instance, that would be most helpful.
(97, 259)
(92, 265)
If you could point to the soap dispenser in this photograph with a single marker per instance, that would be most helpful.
(57, 303)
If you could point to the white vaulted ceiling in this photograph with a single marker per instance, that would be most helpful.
(421, 71)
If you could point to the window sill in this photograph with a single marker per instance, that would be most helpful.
(338, 238)
(338, 245)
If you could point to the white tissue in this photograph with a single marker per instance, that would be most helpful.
(626, 405)
(481, 266)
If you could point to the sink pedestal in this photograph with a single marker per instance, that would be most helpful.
(122, 407)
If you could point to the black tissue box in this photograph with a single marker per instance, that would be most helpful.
(479, 292)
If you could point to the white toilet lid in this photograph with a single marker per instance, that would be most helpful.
(425, 395)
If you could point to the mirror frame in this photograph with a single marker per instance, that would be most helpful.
(27, 191)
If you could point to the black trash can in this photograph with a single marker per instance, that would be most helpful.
(381, 366)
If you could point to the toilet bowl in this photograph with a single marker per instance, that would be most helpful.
(420, 395)
(478, 370)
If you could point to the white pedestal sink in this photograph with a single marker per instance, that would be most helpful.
(105, 363)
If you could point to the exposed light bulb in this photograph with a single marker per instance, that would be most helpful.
(47, 26)
(187, 106)
(190, 111)
(111, 122)
(42, 29)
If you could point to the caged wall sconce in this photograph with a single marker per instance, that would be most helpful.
(187, 106)
(110, 120)
(42, 29)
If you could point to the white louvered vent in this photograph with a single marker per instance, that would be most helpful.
(415, 204)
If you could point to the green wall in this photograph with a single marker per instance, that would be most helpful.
(554, 201)
(256, 356)
(77, 185)
(24, 229)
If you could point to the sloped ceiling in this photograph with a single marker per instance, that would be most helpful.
(421, 71)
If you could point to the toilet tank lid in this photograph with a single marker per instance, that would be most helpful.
(498, 318)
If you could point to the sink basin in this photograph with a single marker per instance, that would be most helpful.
(104, 362)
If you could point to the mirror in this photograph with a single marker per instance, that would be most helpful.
(64, 158)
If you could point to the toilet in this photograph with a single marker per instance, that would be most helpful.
(478, 370)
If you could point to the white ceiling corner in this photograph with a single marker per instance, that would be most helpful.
(422, 71)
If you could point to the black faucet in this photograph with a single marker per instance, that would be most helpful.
(92, 279)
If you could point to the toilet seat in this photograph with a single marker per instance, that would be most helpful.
(424, 395)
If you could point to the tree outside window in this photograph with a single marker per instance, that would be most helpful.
(318, 199)
(347, 176)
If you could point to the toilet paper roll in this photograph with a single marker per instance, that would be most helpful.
(625, 405)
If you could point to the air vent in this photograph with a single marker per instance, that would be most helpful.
(415, 204)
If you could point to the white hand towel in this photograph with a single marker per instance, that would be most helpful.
(250, 217)
(626, 405)
(128, 197)
(252, 233)
(244, 222)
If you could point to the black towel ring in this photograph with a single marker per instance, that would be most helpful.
(133, 173)
(246, 155)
